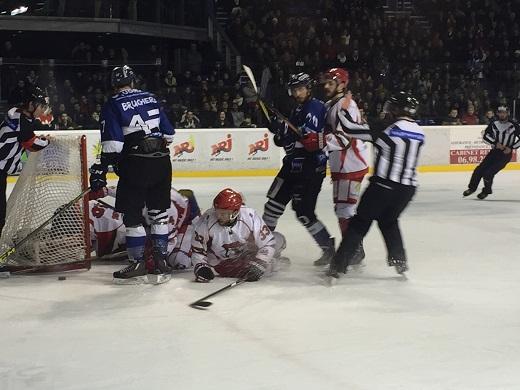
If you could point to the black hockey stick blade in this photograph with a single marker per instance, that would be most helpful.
(202, 303)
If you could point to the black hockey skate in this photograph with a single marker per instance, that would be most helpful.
(401, 265)
(162, 272)
(327, 255)
(135, 273)
(468, 192)
(356, 262)
(482, 195)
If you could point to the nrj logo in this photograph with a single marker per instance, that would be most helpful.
(222, 146)
(259, 146)
(184, 147)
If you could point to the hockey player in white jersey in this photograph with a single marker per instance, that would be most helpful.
(107, 230)
(348, 157)
(232, 240)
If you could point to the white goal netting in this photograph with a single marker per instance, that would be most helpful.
(50, 179)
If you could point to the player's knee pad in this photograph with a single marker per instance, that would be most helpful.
(345, 210)
(273, 210)
(159, 222)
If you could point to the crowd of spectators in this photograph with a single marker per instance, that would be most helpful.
(203, 94)
(460, 68)
(469, 60)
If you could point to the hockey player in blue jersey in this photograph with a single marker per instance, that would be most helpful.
(304, 166)
(135, 133)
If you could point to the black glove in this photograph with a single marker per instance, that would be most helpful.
(255, 271)
(203, 273)
(98, 177)
(274, 125)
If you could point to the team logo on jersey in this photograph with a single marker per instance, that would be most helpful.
(184, 147)
(233, 249)
(222, 146)
(259, 146)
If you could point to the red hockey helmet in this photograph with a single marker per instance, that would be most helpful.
(227, 199)
(340, 75)
(227, 203)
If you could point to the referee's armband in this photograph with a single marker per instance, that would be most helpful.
(35, 143)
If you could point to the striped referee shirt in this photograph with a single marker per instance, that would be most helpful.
(396, 149)
(506, 133)
(16, 133)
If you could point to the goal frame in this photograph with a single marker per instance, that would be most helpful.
(84, 264)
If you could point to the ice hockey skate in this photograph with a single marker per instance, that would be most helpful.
(135, 273)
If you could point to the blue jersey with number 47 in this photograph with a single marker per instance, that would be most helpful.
(130, 116)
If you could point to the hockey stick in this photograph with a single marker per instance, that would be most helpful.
(107, 205)
(251, 77)
(265, 107)
(4, 256)
(203, 303)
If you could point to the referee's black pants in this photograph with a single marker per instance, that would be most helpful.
(493, 163)
(3, 199)
(383, 203)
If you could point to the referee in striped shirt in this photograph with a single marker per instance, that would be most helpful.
(16, 134)
(392, 186)
(503, 135)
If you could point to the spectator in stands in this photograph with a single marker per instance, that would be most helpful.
(18, 94)
(170, 82)
(84, 106)
(248, 122)
(77, 116)
(222, 121)
(92, 123)
(189, 121)
(489, 116)
(236, 115)
(470, 118)
(453, 118)
(207, 116)
(7, 50)
(64, 122)
(32, 78)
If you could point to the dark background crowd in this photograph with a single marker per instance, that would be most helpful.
(461, 59)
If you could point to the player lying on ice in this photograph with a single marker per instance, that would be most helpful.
(107, 230)
(232, 240)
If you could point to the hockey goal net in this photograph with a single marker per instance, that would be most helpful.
(50, 179)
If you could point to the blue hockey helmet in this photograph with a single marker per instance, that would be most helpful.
(122, 76)
(298, 80)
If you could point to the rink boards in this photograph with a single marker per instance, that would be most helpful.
(251, 152)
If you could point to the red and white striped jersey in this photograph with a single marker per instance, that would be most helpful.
(348, 157)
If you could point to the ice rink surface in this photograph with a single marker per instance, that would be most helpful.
(453, 325)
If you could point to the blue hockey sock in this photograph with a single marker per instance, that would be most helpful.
(159, 232)
(135, 242)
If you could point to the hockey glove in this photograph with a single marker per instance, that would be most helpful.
(313, 141)
(274, 125)
(203, 273)
(255, 271)
(98, 177)
(101, 193)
